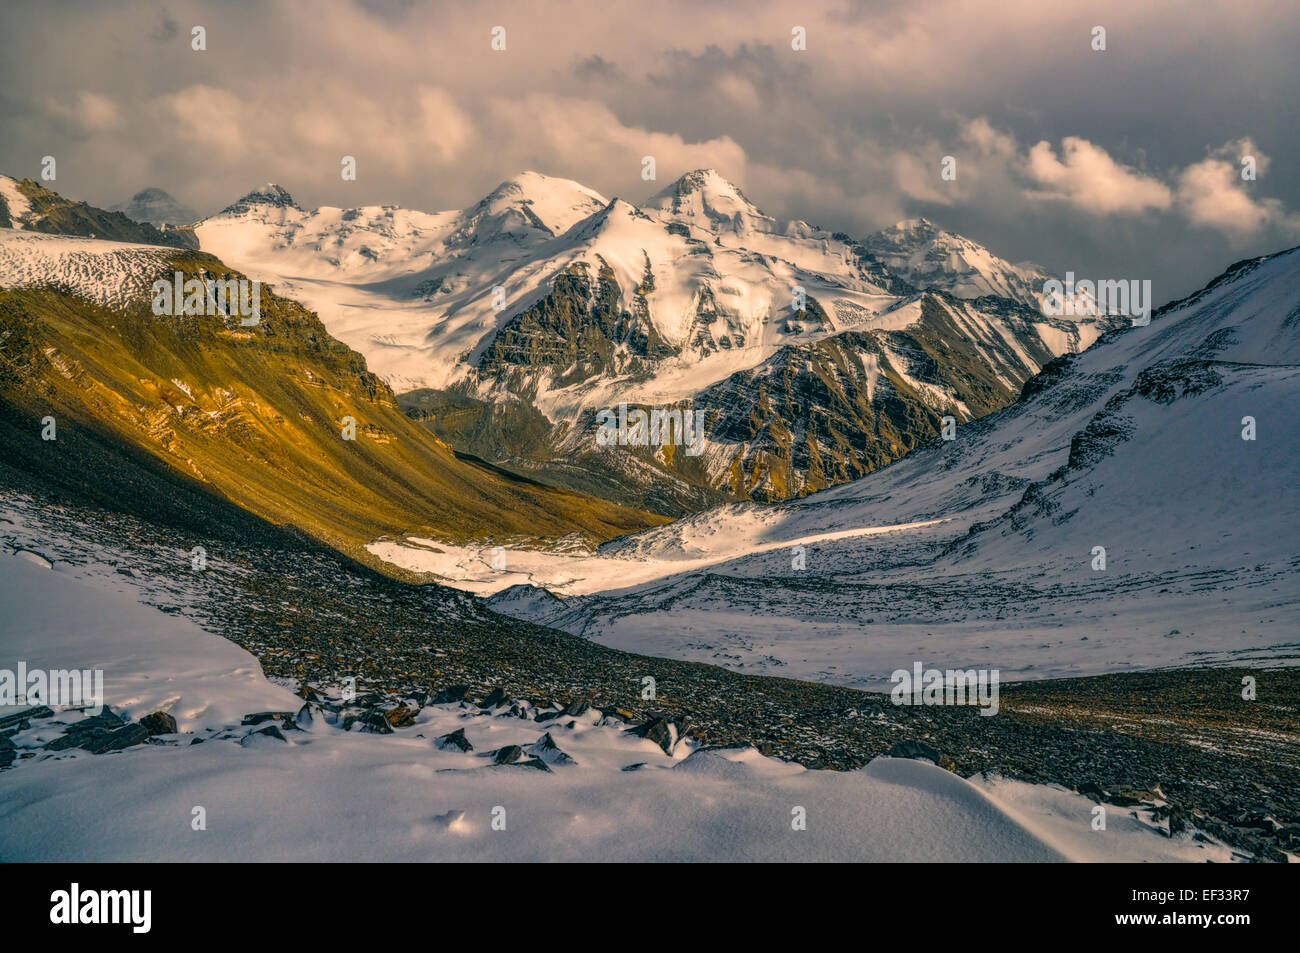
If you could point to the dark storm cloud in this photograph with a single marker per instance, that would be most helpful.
(1118, 163)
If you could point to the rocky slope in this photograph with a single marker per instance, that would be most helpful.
(28, 205)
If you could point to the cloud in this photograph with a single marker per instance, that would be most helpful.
(210, 118)
(1082, 158)
(1088, 178)
(583, 140)
(1213, 194)
(90, 112)
(444, 125)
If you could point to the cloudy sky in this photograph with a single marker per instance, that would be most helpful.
(1119, 163)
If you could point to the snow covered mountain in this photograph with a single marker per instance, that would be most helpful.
(1135, 509)
(514, 322)
(156, 207)
(928, 256)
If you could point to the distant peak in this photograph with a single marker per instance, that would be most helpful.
(270, 194)
(709, 199)
(702, 180)
(531, 203)
(530, 184)
(917, 225)
(152, 194)
(157, 207)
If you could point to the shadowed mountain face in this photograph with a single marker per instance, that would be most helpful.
(254, 413)
(511, 325)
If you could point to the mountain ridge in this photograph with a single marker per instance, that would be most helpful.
(541, 296)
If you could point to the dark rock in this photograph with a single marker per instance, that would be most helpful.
(663, 730)
(375, 721)
(159, 723)
(454, 741)
(576, 707)
(633, 767)
(455, 693)
(99, 741)
(401, 716)
(507, 755)
(1177, 820)
(918, 750)
(1092, 790)
(260, 717)
(268, 731)
(546, 749)
(17, 718)
(537, 763)
(495, 700)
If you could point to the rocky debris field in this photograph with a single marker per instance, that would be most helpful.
(1182, 746)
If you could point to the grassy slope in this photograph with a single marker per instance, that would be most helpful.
(262, 426)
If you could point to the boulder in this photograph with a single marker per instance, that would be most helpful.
(496, 699)
(576, 707)
(401, 716)
(507, 755)
(159, 723)
(663, 730)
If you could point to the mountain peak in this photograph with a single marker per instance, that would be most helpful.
(271, 195)
(712, 202)
(928, 256)
(916, 226)
(157, 207)
(706, 181)
(547, 200)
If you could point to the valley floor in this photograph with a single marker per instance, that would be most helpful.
(1186, 768)
(218, 790)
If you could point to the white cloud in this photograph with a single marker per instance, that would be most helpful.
(584, 140)
(1212, 193)
(1089, 179)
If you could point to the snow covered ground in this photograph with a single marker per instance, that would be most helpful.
(109, 273)
(328, 794)
(983, 551)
